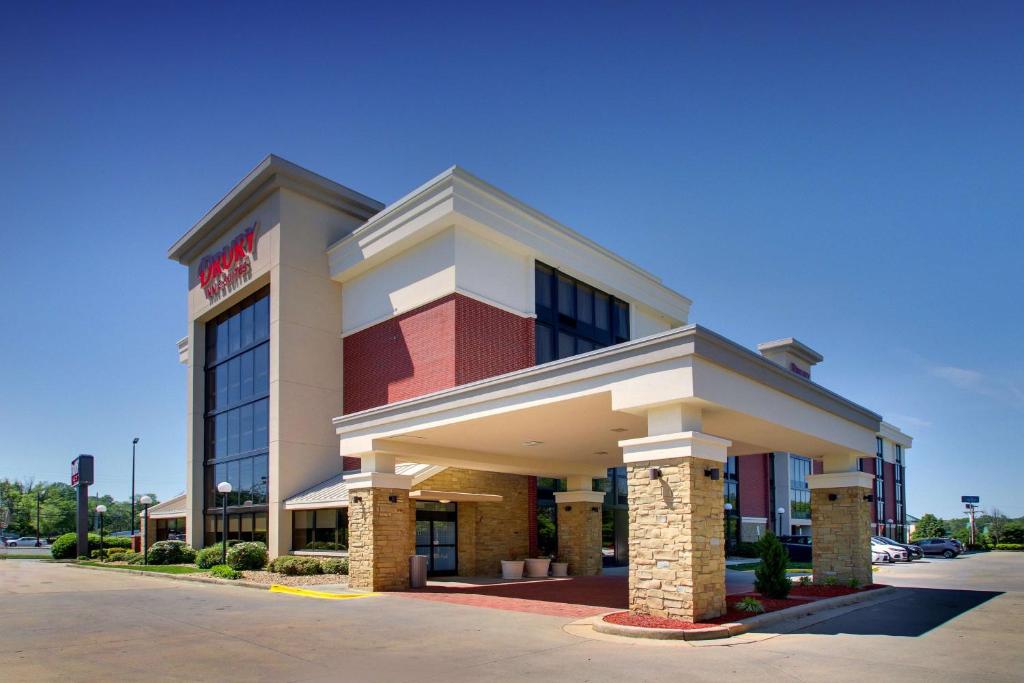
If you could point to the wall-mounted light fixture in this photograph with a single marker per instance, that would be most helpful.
(568, 508)
(654, 473)
(833, 496)
(392, 499)
(712, 472)
(869, 498)
(357, 499)
(594, 509)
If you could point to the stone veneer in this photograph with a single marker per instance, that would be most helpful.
(579, 537)
(841, 534)
(487, 532)
(379, 540)
(676, 552)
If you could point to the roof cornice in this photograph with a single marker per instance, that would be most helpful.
(271, 174)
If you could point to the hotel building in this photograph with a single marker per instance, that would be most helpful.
(458, 375)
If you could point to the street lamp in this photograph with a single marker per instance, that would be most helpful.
(225, 488)
(889, 524)
(100, 509)
(134, 441)
(778, 528)
(145, 500)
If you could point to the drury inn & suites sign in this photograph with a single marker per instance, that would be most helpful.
(219, 270)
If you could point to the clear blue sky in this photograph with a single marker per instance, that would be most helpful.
(845, 174)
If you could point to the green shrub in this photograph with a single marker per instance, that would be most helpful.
(749, 604)
(65, 546)
(745, 549)
(132, 557)
(209, 556)
(83, 557)
(853, 582)
(805, 580)
(1009, 546)
(295, 566)
(115, 553)
(249, 555)
(334, 565)
(770, 578)
(171, 552)
(98, 554)
(223, 571)
(830, 581)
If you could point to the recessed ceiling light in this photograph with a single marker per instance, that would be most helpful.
(532, 443)
(620, 429)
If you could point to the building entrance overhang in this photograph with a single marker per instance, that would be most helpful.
(568, 417)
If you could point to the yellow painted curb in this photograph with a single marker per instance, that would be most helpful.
(291, 590)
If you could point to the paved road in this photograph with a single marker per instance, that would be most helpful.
(72, 624)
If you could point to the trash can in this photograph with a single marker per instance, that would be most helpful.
(417, 571)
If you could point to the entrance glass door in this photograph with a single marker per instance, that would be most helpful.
(436, 536)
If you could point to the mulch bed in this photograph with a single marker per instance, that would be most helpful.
(799, 595)
(821, 591)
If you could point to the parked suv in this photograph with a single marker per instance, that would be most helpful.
(946, 547)
(913, 551)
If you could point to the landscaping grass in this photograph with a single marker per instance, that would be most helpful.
(159, 568)
(795, 567)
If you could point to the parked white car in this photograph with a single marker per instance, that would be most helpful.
(896, 553)
(880, 557)
(26, 542)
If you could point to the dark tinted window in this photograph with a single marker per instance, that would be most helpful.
(574, 317)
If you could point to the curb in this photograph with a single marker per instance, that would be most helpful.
(323, 595)
(736, 628)
(176, 577)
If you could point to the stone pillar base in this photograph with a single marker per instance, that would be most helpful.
(841, 533)
(579, 531)
(379, 538)
(676, 539)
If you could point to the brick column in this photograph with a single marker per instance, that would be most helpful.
(841, 526)
(676, 525)
(579, 530)
(380, 538)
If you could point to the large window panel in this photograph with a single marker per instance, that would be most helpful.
(573, 317)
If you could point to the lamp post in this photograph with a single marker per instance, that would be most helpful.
(888, 523)
(145, 500)
(38, 495)
(778, 527)
(100, 509)
(134, 441)
(225, 488)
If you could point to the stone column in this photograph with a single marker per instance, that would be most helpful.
(841, 526)
(579, 526)
(380, 538)
(676, 524)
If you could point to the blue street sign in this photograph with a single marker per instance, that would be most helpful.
(970, 499)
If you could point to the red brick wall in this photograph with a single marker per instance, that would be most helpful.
(889, 486)
(754, 483)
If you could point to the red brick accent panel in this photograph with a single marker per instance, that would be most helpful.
(531, 512)
(817, 467)
(889, 486)
(448, 342)
(754, 483)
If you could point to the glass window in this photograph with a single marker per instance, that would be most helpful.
(237, 415)
(799, 493)
(586, 318)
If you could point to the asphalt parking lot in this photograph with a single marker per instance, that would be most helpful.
(955, 619)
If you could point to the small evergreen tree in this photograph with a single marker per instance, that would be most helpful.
(770, 576)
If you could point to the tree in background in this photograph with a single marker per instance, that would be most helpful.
(929, 526)
(58, 504)
(997, 526)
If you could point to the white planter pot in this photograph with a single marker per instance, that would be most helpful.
(537, 567)
(559, 569)
(512, 569)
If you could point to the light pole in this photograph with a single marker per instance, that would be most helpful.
(888, 524)
(225, 488)
(145, 500)
(38, 494)
(134, 441)
(778, 527)
(100, 509)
